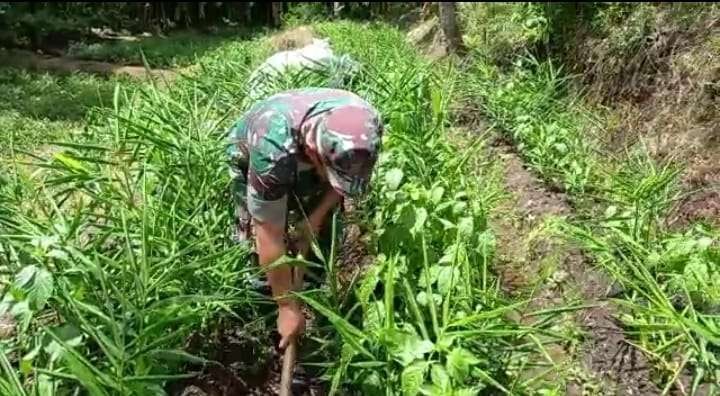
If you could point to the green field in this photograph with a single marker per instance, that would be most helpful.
(115, 223)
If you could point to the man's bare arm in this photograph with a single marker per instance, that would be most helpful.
(270, 247)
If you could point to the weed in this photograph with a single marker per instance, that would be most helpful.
(38, 108)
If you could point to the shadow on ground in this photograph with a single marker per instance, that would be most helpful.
(175, 50)
(51, 97)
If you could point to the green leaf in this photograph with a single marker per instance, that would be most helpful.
(25, 275)
(423, 300)
(421, 216)
(57, 254)
(486, 243)
(26, 367)
(176, 355)
(430, 277)
(445, 342)
(369, 283)
(90, 376)
(43, 288)
(371, 384)
(459, 362)
(441, 207)
(466, 227)
(436, 195)
(447, 275)
(610, 211)
(36, 283)
(413, 377)
(447, 225)
(21, 310)
(459, 208)
(393, 178)
(374, 316)
(407, 347)
(704, 243)
(432, 390)
(436, 101)
(439, 377)
(56, 351)
(46, 385)
(71, 163)
(351, 334)
(84, 375)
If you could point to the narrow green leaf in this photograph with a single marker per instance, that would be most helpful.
(350, 333)
(13, 381)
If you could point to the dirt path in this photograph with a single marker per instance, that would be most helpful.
(60, 64)
(555, 274)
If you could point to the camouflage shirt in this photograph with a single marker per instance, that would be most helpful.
(268, 146)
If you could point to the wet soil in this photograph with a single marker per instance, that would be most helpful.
(702, 206)
(247, 364)
(555, 273)
(355, 256)
(243, 365)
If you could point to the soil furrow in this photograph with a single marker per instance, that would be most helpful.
(555, 274)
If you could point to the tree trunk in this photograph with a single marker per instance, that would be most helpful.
(276, 9)
(449, 27)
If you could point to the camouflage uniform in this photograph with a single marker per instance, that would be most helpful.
(271, 172)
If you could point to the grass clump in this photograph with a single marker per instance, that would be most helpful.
(125, 252)
(669, 299)
(499, 31)
(37, 108)
(428, 317)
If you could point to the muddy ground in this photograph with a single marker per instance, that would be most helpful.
(244, 365)
(249, 364)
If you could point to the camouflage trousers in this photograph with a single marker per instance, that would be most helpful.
(304, 198)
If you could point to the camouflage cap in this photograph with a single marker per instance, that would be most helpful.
(348, 141)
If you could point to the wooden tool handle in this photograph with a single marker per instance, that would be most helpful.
(288, 368)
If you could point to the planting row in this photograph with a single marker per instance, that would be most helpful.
(668, 274)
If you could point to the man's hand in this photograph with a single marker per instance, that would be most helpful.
(291, 322)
